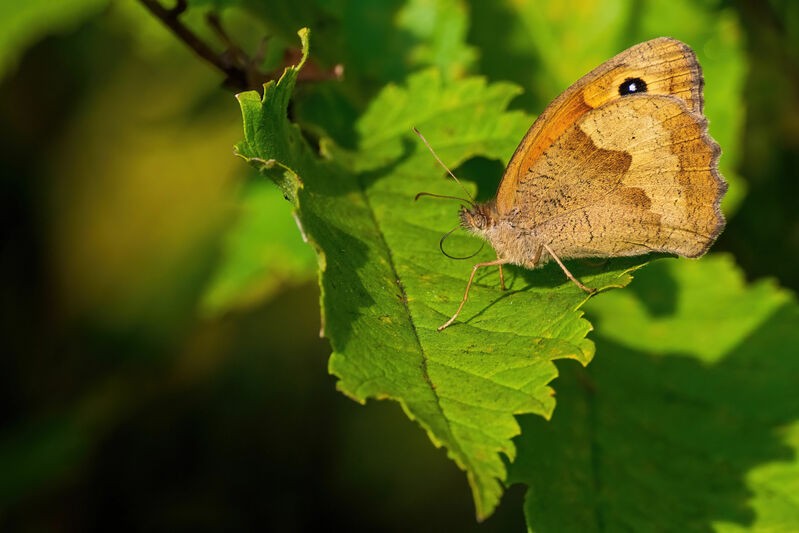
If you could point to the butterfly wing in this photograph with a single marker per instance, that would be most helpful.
(635, 175)
(667, 66)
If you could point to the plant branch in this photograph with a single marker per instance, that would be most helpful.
(240, 70)
(171, 18)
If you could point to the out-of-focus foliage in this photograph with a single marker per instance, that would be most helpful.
(251, 271)
(126, 220)
(24, 23)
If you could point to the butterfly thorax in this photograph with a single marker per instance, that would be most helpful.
(507, 239)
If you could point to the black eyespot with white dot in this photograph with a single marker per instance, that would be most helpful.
(632, 86)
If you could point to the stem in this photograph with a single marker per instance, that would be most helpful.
(171, 19)
(241, 71)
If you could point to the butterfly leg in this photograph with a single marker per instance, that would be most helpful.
(501, 277)
(497, 262)
(569, 275)
(537, 257)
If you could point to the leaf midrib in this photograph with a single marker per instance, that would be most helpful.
(451, 443)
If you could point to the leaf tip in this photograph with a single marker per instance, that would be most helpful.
(305, 34)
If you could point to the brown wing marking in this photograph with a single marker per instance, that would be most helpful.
(668, 200)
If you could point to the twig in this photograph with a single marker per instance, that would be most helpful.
(241, 71)
(171, 18)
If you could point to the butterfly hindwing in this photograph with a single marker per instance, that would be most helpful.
(664, 65)
(636, 175)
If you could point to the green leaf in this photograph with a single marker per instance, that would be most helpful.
(386, 287)
(439, 29)
(22, 23)
(688, 420)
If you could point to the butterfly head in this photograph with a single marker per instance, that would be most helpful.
(478, 218)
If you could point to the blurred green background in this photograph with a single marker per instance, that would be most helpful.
(141, 385)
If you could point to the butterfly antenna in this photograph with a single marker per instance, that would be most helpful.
(434, 195)
(441, 246)
(419, 134)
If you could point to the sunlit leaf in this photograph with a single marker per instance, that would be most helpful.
(386, 287)
(688, 419)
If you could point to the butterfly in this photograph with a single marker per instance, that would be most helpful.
(620, 164)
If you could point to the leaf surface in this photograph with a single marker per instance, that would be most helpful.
(688, 421)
